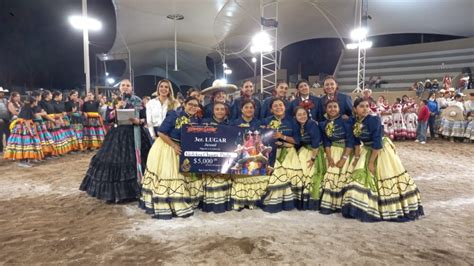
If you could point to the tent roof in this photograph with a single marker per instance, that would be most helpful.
(143, 26)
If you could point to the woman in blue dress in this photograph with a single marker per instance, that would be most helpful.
(338, 142)
(285, 185)
(312, 159)
(167, 193)
(216, 187)
(247, 190)
(380, 187)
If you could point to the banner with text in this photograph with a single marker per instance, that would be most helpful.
(225, 150)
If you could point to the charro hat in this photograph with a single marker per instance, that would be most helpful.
(219, 85)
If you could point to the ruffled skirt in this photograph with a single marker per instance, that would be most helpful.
(390, 195)
(312, 178)
(23, 142)
(334, 182)
(166, 192)
(46, 139)
(94, 131)
(286, 184)
(112, 175)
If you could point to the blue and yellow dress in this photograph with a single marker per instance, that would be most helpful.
(310, 138)
(216, 187)
(236, 108)
(266, 108)
(390, 194)
(209, 109)
(166, 192)
(23, 142)
(337, 136)
(247, 191)
(285, 184)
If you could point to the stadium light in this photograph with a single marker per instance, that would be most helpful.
(359, 34)
(365, 44)
(110, 81)
(79, 22)
(261, 43)
(352, 46)
(227, 71)
(362, 45)
(254, 60)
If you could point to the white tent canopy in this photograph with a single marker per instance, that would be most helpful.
(143, 27)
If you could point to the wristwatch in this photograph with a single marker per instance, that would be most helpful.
(345, 157)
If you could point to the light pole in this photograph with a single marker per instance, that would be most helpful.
(85, 24)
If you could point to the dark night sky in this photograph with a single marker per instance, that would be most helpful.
(38, 46)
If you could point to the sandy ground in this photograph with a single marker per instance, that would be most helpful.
(45, 219)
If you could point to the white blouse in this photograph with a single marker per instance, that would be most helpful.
(155, 114)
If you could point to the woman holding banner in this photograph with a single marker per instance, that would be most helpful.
(167, 193)
(311, 158)
(247, 191)
(216, 187)
(285, 185)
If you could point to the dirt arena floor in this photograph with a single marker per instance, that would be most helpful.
(45, 219)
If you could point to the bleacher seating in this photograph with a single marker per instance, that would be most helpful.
(401, 66)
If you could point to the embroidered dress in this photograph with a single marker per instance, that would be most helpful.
(337, 136)
(390, 194)
(167, 193)
(310, 138)
(285, 185)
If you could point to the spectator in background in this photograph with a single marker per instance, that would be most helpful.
(103, 106)
(433, 107)
(435, 86)
(14, 105)
(420, 89)
(423, 117)
(4, 118)
(367, 95)
(428, 85)
(371, 82)
(378, 82)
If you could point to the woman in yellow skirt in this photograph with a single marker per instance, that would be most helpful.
(247, 191)
(338, 145)
(216, 187)
(312, 160)
(286, 182)
(167, 193)
(380, 187)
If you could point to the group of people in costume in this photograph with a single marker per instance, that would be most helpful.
(331, 156)
(449, 115)
(46, 126)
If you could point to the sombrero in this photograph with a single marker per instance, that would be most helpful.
(2, 90)
(219, 85)
(453, 113)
